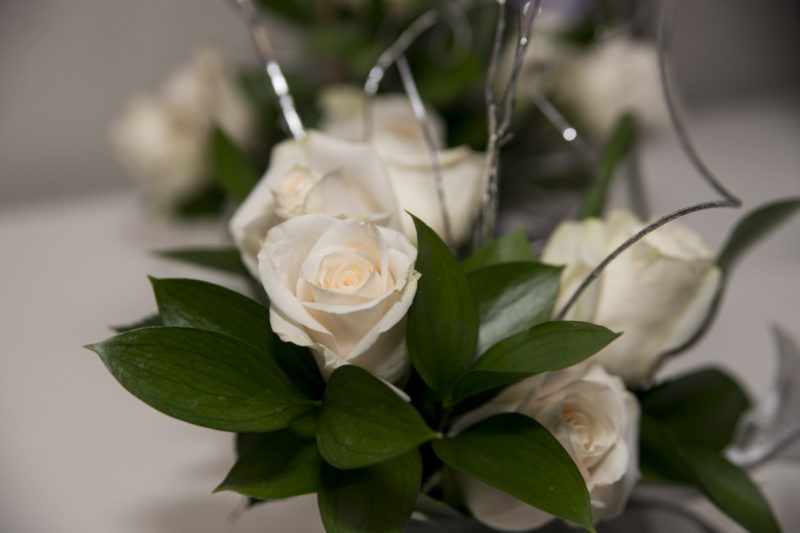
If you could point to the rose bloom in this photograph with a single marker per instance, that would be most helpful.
(658, 292)
(316, 174)
(617, 76)
(398, 139)
(162, 139)
(342, 288)
(594, 418)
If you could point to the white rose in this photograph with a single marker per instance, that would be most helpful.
(162, 139)
(317, 174)
(657, 292)
(617, 76)
(343, 288)
(594, 418)
(398, 139)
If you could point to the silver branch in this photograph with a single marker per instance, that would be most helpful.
(419, 112)
(276, 78)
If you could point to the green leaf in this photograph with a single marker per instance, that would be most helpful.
(207, 202)
(363, 421)
(730, 489)
(752, 228)
(517, 455)
(727, 486)
(235, 173)
(202, 305)
(513, 247)
(223, 259)
(512, 297)
(615, 150)
(701, 408)
(276, 465)
(146, 322)
(443, 320)
(204, 378)
(376, 499)
(543, 348)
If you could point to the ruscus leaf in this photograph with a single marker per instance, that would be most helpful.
(442, 327)
(376, 499)
(279, 464)
(222, 259)
(363, 421)
(543, 348)
(202, 305)
(204, 378)
(512, 297)
(232, 168)
(701, 408)
(618, 146)
(517, 455)
(513, 247)
(753, 227)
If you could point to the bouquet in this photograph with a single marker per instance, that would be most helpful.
(394, 357)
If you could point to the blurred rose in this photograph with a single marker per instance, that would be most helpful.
(617, 76)
(657, 292)
(596, 421)
(343, 288)
(163, 139)
(398, 139)
(317, 174)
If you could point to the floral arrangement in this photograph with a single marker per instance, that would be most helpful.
(398, 360)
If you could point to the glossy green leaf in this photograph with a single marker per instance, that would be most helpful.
(511, 298)
(443, 321)
(753, 227)
(202, 305)
(276, 465)
(146, 322)
(701, 408)
(517, 455)
(233, 170)
(376, 499)
(730, 489)
(663, 457)
(204, 378)
(208, 202)
(543, 348)
(363, 421)
(222, 259)
(618, 146)
(513, 247)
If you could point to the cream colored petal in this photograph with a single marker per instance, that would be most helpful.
(280, 260)
(497, 509)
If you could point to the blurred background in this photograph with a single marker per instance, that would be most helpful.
(67, 68)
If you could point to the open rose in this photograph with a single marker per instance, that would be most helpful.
(162, 139)
(398, 139)
(657, 292)
(317, 174)
(594, 418)
(343, 288)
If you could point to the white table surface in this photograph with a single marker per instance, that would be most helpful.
(80, 454)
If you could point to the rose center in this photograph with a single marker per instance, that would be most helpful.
(580, 423)
(344, 271)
